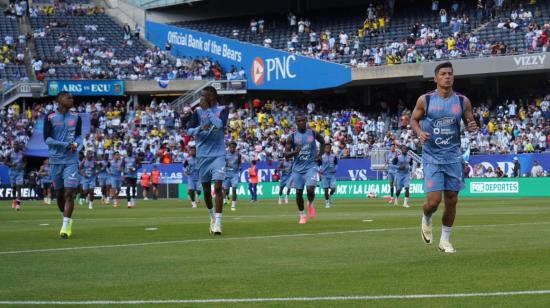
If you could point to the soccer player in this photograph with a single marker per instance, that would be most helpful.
(441, 111)
(131, 165)
(155, 179)
(192, 172)
(208, 126)
(329, 163)
(116, 166)
(233, 163)
(46, 179)
(145, 183)
(63, 135)
(103, 178)
(88, 172)
(285, 167)
(302, 146)
(253, 180)
(403, 164)
(391, 171)
(16, 163)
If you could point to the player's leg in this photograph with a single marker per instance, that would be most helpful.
(281, 187)
(391, 179)
(191, 193)
(311, 183)
(406, 185)
(13, 180)
(453, 183)
(71, 181)
(433, 186)
(297, 181)
(234, 198)
(57, 186)
(133, 183)
(127, 182)
(18, 196)
(217, 170)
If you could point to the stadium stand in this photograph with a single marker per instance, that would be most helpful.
(13, 49)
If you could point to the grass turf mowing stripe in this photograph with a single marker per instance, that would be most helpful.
(248, 238)
(280, 299)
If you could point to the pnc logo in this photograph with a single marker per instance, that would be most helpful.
(258, 71)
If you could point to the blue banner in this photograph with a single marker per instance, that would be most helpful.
(506, 162)
(36, 145)
(87, 87)
(266, 68)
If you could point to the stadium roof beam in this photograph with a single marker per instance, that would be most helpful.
(151, 4)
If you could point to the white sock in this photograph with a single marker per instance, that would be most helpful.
(406, 200)
(90, 203)
(445, 233)
(211, 211)
(66, 221)
(309, 203)
(302, 213)
(426, 219)
(193, 203)
(218, 218)
(233, 203)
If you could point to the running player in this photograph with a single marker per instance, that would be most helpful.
(391, 171)
(208, 126)
(285, 168)
(131, 165)
(441, 111)
(116, 166)
(301, 145)
(403, 164)
(88, 173)
(145, 183)
(155, 179)
(16, 163)
(191, 170)
(103, 178)
(46, 179)
(63, 135)
(233, 163)
(329, 163)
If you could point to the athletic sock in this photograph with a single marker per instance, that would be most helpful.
(211, 211)
(218, 218)
(302, 214)
(233, 203)
(426, 219)
(445, 233)
(66, 221)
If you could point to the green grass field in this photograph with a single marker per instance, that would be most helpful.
(356, 248)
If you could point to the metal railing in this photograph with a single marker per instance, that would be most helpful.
(223, 87)
(380, 157)
(22, 89)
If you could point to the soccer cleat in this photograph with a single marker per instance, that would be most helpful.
(63, 233)
(193, 205)
(13, 204)
(80, 201)
(286, 200)
(217, 229)
(426, 232)
(70, 228)
(280, 201)
(311, 211)
(18, 207)
(327, 204)
(303, 220)
(145, 199)
(406, 205)
(391, 200)
(90, 206)
(446, 247)
(233, 208)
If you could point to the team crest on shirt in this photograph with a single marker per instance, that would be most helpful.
(72, 122)
(456, 109)
(309, 138)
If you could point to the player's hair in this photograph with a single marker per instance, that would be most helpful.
(301, 114)
(116, 152)
(61, 94)
(233, 143)
(443, 65)
(211, 89)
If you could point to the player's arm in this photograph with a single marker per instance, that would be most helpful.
(78, 133)
(289, 152)
(81, 168)
(468, 116)
(48, 135)
(216, 122)
(417, 116)
(194, 124)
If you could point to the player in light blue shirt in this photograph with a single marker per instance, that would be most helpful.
(232, 172)
(103, 178)
(88, 173)
(391, 171)
(46, 179)
(208, 127)
(131, 166)
(403, 164)
(191, 170)
(441, 112)
(116, 167)
(63, 135)
(329, 163)
(16, 163)
(303, 147)
(285, 169)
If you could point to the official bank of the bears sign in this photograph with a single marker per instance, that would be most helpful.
(266, 68)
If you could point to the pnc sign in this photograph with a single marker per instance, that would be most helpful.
(279, 68)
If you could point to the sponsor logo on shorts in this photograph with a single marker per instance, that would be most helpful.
(507, 187)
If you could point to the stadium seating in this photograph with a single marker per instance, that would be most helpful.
(8, 26)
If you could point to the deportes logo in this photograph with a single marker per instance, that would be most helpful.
(258, 71)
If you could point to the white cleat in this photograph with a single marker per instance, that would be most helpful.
(426, 233)
(217, 229)
(446, 247)
(90, 206)
(233, 209)
(405, 205)
(212, 223)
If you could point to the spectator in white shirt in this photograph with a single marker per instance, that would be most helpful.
(537, 170)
